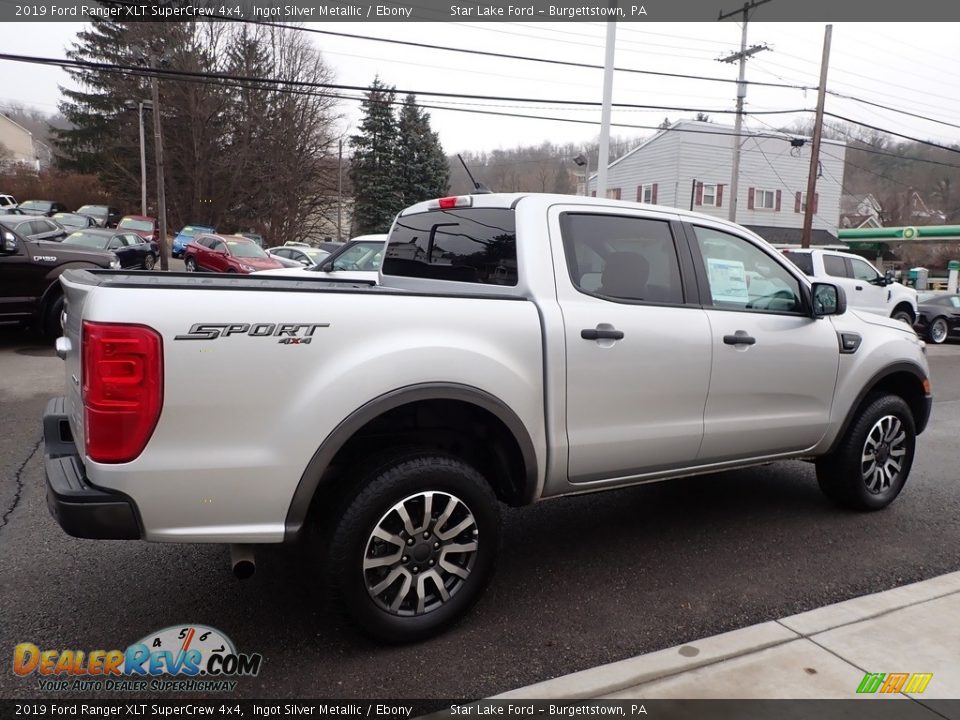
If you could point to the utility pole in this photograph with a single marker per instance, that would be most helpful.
(817, 134)
(161, 196)
(143, 166)
(340, 191)
(741, 56)
(605, 111)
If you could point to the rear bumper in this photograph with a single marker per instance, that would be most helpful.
(82, 510)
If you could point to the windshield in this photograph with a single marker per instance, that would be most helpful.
(191, 230)
(87, 240)
(362, 256)
(316, 255)
(35, 205)
(245, 249)
(135, 224)
(93, 210)
(73, 220)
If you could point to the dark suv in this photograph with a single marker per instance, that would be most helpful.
(30, 270)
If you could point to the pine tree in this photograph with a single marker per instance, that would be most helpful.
(423, 169)
(377, 191)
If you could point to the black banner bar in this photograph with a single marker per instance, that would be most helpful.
(482, 11)
(887, 708)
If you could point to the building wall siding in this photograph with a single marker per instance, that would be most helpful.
(674, 159)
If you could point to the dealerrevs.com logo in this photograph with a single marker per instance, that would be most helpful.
(891, 683)
(180, 658)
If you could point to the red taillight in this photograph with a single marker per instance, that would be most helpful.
(122, 389)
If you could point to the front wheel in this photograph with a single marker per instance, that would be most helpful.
(903, 315)
(938, 331)
(870, 467)
(190, 264)
(149, 261)
(415, 546)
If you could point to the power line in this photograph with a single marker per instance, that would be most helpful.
(871, 149)
(168, 72)
(896, 134)
(486, 53)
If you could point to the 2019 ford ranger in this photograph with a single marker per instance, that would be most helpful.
(517, 348)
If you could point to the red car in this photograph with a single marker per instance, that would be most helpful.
(226, 253)
(143, 225)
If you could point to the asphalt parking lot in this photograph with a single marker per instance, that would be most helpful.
(582, 581)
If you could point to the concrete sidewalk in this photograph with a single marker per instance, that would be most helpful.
(821, 654)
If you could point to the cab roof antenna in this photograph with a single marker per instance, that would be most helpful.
(478, 188)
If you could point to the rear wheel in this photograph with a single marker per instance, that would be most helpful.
(190, 264)
(51, 319)
(149, 261)
(414, 547)
(938, 331)
(870, 467)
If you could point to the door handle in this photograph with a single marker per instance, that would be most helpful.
(596, 334)
(858, 287)
(741, 338)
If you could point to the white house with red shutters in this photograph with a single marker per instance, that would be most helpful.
(688, 165)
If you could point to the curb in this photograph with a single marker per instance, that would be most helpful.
(608, 679)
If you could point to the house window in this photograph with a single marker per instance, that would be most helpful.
(613, 193)
(765, 199)
(710, 195)
(647, 193)
(800, 202)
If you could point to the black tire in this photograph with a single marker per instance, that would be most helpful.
(51, 318)
(149, 261)
(903, 314)
(841, 475)
(407, 477)
(938, 331)
(190, 265)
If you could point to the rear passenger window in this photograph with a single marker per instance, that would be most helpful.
(474, 245)
(835, 266)
(619, 257)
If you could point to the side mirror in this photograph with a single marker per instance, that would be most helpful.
(889, 277)
(305, 263)
(828, 299)
(9, 245)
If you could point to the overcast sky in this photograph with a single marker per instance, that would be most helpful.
(907, 66)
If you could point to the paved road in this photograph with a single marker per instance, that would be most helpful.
(584, 580)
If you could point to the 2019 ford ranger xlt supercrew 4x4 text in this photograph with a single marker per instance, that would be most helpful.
(516, 348)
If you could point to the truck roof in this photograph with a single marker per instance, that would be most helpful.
(510, 200)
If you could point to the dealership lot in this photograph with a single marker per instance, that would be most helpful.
(582, 581)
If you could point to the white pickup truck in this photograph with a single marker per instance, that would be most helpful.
(517, 348)
(866, 287)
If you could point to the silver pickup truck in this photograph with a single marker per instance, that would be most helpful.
(517, 348)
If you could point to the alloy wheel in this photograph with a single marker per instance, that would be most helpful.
(420, 553)
(884, 452)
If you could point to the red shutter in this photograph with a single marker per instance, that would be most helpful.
(639, 193)
(653, 195)
(796, 202)
(777, 207)
(750, 199)
(699, 200)
(719, 195)
(616, 193)
(816, 200)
